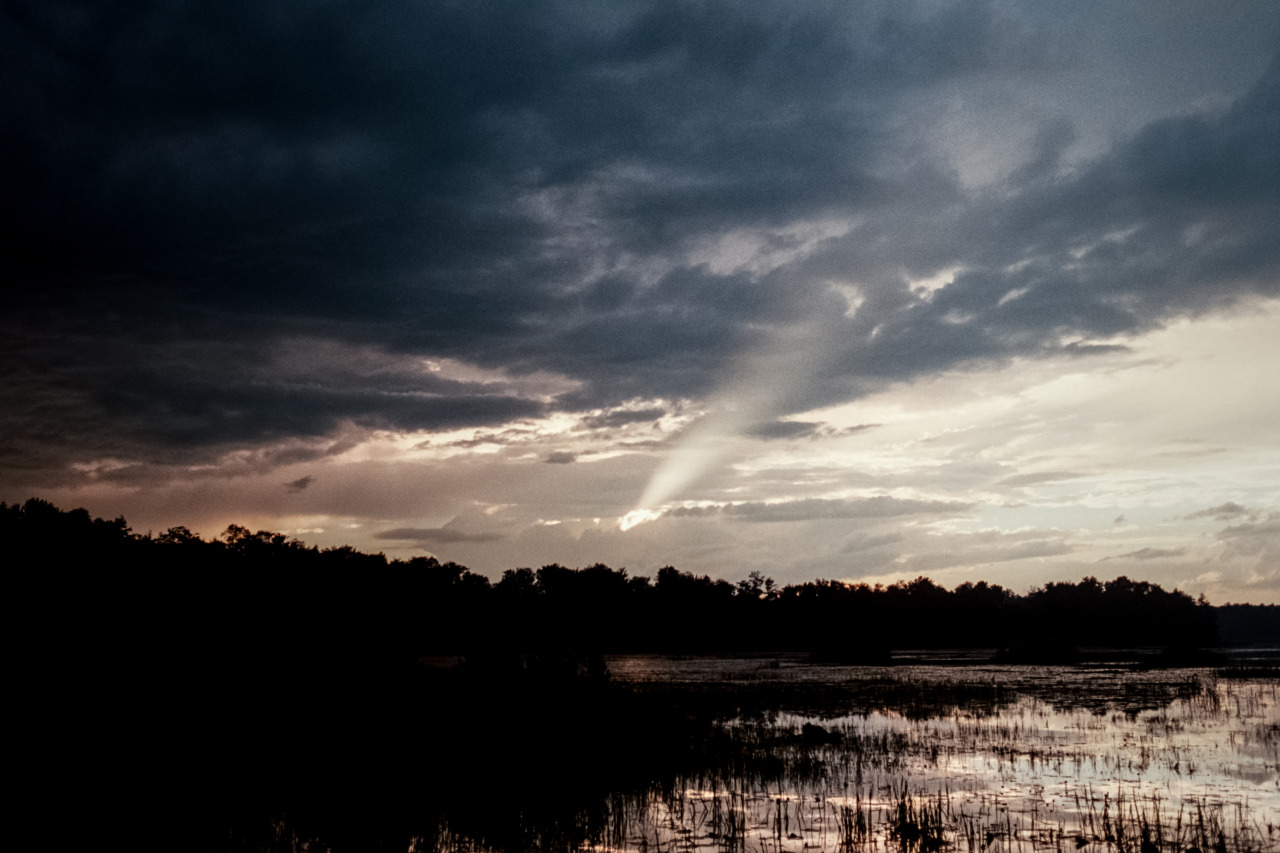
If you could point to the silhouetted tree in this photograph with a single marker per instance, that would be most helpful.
(265, 602)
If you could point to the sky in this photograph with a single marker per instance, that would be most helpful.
(846, 290)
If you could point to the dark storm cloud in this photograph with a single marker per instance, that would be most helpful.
(528, 187)
(200, 414)
(1181, 219)
(1050, 143)
(190, 402)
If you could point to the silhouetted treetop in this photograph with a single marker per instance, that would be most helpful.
(279, 590)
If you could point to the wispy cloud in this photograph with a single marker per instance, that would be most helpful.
(436, 535)
(1150, 554)
(814, 508)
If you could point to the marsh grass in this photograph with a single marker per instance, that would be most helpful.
(1012, 760)
(924, 775)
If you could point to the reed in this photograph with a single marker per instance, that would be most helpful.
(1178, 763)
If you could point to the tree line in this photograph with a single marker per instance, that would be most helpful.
(265, 592)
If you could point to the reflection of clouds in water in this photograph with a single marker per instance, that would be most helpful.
(1039, 770)
(1194, 750)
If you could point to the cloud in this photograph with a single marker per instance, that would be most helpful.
(819, 509)
(299, 484)
(1149, 554)
(394, 234)
(1260, 534)
(571, 209)
(1035, 479)
(861, 543)
(622, 417)
(436, 535)
(951, 557)
(790, 430)
(1230, 509)
(1050, 143)
(783, 429)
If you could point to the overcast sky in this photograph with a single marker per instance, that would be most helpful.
(822, 290)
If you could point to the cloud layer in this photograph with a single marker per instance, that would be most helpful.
(248, 238)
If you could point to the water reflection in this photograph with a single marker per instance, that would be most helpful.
(1202, 772)
(777, 755)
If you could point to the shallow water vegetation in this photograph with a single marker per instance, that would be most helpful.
(1062, 759)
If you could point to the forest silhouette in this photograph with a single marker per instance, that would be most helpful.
(271, 591)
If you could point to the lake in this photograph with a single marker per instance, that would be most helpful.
(1105, 757)
(774, 753)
